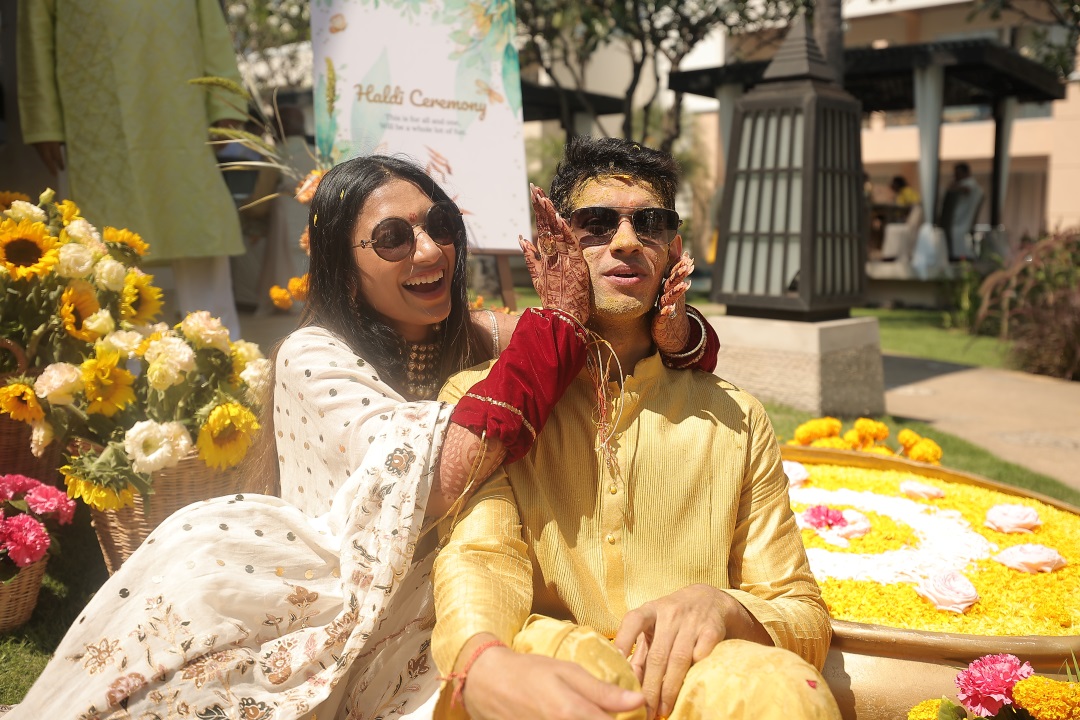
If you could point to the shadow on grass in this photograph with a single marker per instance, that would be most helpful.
(902, 370)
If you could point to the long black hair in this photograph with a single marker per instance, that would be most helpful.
(335, 300)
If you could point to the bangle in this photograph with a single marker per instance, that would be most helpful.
(459, 678)
(697, 348)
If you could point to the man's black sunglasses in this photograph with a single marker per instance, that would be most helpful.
(393, 238)
(597, 225)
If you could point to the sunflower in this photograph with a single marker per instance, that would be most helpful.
(141, 301)
(79, 302)
(27, 249)
(94, 495)
(106, 386)
(126, 237)
(19, 401)
(226, 436)
(6, 198)
(69, 212)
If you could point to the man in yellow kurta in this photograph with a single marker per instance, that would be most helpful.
(675, 547)
(108, 81)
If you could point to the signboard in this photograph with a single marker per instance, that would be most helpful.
(437, 81)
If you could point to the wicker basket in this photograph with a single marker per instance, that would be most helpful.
(19, 596)
(15, 455)
(119, 532)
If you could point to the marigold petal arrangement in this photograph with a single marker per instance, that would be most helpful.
(127, 394)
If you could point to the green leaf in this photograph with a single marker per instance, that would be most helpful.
(951, 711)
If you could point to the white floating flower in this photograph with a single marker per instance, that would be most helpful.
(796, 472)
(1031, 558)
(76, 261)
(920, 491)
(1012, 518)
(101, 322)
(154, 446)
(22, 210)
(125, 342)
(949, 591)
(58, 383)
(257, 376)
(163, 374)
(857, 525)
(205, 331)
(82, 232)
(173, 350)
(109, 274)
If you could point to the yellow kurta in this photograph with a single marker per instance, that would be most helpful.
(110, 79)
(701, 497)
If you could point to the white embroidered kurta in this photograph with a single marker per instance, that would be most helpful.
(257, 607)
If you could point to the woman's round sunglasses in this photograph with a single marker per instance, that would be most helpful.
(597, 225)
(393, 238)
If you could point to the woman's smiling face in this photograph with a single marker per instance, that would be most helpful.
(412, 294)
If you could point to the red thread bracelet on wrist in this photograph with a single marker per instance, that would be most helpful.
(459, 678)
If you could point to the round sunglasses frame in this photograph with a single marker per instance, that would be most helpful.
(453, 219)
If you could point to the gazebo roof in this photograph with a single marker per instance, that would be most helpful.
(976, 72)
(541, 102)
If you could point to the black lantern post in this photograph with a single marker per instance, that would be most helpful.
(792, 243)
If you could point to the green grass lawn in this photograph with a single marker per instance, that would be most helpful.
(922, 333)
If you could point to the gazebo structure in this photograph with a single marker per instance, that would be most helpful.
(925, 77)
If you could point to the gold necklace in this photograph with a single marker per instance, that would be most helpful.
(421, 370)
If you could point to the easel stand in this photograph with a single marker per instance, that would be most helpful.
(506, 279)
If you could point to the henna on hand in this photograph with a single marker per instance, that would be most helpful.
(556, 264)
(458, 461)
(671, 326)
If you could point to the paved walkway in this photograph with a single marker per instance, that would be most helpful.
(1029, 420)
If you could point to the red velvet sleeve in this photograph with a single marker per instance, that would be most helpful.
(702, 346)
(545, 353)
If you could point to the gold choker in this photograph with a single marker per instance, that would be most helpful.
(421, 370)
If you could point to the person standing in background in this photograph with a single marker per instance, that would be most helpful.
(104, 94)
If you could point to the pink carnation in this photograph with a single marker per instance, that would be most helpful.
(986, 686)
(823, 516)
(45, 499)
(25, 539)
(12, 485)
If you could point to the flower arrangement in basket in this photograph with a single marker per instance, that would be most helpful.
(132, 397)
(26, 507)
(1004, 687)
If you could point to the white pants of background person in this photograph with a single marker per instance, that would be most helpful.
(205, 283)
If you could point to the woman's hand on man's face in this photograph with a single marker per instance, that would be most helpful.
(555, 262)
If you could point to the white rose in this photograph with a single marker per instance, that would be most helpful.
(101, 322)
(81, 231)
(109, 274)
(796, 472)
(76, 261)
(58, 383)
(1031, 558)
(22, 210)
(162, 374)
(257, 376)
(205, 331)
(1012, 518)
(920, 491)
(246, 351)
(173, 350)
(41, 434)
(153, 446)
(857, 525)
(948, 591)
(125, 342)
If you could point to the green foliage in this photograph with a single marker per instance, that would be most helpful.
(1054, 27)
(1036, 302)
(950, 710)
(926, 334)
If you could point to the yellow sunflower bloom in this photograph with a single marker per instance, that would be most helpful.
(107, 387)
(298, 287)
(27, 249)
(281, 298)
(227, 435)
(122, 236)
(7, 197)
(19, 401)
(69, 211)
(96, 496)
(141, 301)
(79, 302)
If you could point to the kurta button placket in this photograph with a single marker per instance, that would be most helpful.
(610, 539)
